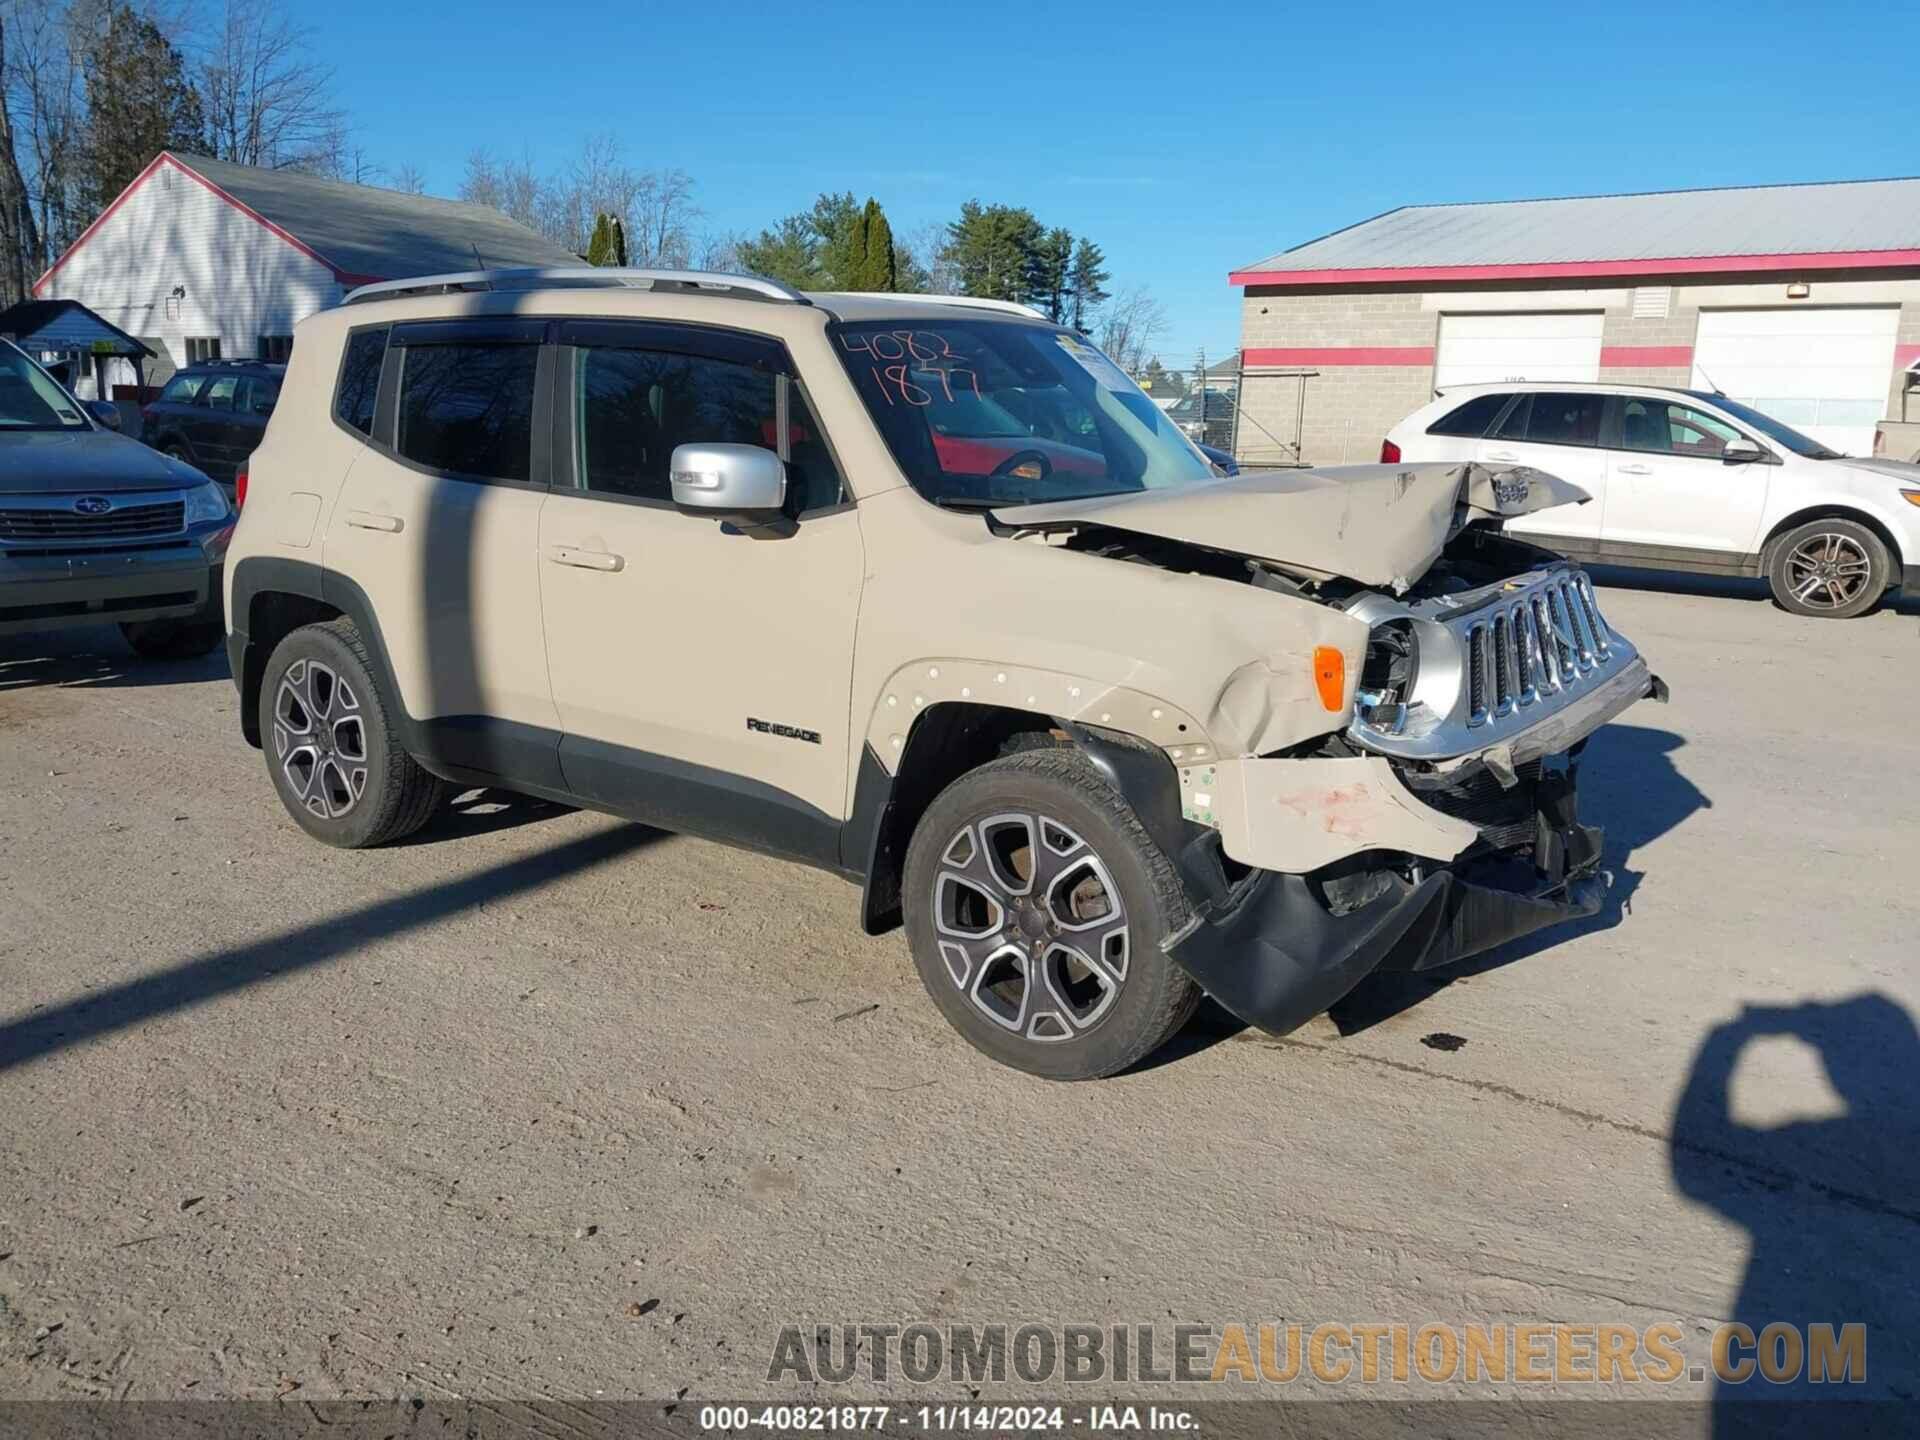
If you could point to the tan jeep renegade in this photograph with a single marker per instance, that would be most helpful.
(924, 592)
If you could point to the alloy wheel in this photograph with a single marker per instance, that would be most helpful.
(320, 739)
(1030, 925)
(1827, 571)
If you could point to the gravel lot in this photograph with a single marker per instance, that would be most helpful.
(540, 1104)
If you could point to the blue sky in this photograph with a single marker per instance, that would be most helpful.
(1185, 139)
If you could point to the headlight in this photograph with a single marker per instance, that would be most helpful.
(206, 503)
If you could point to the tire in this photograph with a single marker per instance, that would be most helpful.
(1101, 1006)
(332, 751)
(1830, 569)
(187, 639)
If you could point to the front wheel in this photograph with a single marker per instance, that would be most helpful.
(1036, 904)
(1833, 569)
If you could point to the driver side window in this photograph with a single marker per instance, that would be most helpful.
(1662, 427)
(634, 406)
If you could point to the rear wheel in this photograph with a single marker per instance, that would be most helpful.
(1833, 569)
(1036, 906)
(332, 750)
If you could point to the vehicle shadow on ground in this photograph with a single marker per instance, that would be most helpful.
(481, 812)
(1631, 788)
(1831, 1205)
(207, 977)
(95, 656)
(1722, 587)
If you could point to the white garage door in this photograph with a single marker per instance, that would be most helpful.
(1824, 372)
(1476, 349)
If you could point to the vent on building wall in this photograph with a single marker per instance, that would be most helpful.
(1652, 302)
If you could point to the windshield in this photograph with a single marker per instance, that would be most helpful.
(1771, 428)
(982, 412)
(30, 399)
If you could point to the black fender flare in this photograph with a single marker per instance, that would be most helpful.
(1144, 776)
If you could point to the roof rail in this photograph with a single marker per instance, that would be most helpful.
(1009, 307)
(685, 282)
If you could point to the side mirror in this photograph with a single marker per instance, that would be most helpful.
(1742, 451)
(105, 412)
(744, 484)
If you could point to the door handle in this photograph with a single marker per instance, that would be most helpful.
(1634, 469)
(367, 520)
(1501, 455)
(584, 559)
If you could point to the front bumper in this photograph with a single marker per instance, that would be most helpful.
(1278, 949)
(1910, 583)
(49, 590)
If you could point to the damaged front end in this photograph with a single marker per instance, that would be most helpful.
(1442, 822)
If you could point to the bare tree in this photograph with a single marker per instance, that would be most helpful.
(410, 178)
(43, 77)
(660, 222)
(1128, 324)
(924, 262)
(267, 102)
(509, 186)
(717, 252)
(19, 235)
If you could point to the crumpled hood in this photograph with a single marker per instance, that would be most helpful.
(1377, 524)
(69, 462)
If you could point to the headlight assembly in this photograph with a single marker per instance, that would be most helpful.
(206, 503)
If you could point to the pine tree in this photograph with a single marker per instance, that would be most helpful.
(840, 241)
(600, 249)
(619, 241)
(879, 268)
(139, 102)
(1085, 292)
(1050, 277)
(992, 248)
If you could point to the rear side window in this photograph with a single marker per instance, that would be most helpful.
(1550, 418)
(359, 383)
(1472, 418)
(182, 388)
(259, 395)
(468, 408)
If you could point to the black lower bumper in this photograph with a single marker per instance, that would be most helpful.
(1276, 950)
(1910, 583)
(51, 591)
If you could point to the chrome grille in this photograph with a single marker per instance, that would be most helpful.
(1546, 642)
(1490, 664)
(122, 522)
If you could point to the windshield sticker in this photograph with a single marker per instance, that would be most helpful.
(1109, 375)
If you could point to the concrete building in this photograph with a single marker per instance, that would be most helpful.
(1802, 300)
(201, 259)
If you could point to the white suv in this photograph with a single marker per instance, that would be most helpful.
(1689, 480)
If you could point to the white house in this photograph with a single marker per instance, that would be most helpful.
(202, 259)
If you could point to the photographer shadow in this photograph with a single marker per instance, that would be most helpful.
(1832, 1208)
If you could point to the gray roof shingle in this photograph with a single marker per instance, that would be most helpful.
(363, 231)
(1833, 217)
